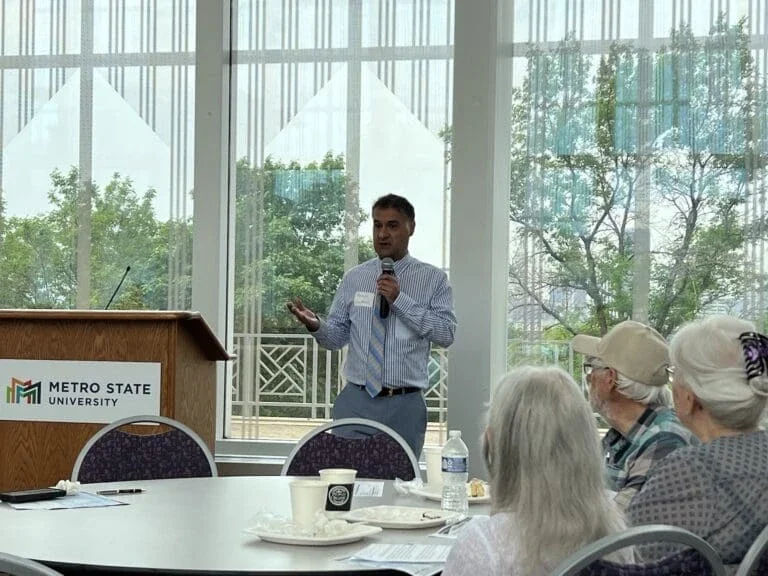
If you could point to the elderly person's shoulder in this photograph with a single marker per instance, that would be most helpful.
(716, 489)
(730, 446)
(728, 455)
(494, 529)
(485, 546)
(665, 424)
(695, 485)
(735, 455)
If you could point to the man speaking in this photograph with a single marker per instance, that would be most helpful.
(389, 310)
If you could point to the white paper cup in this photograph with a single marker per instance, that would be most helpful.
(338, 475)
(307, 497)
(341, 485)
(433, 458)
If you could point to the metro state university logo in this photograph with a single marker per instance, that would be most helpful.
(23, 391)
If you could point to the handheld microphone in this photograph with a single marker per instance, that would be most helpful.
(127, 269)
(387, 267)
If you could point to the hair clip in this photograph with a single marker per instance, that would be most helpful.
(755, 348)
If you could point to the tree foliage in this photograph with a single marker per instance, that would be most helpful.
(289, 241)
(38, 257)
(590, 135)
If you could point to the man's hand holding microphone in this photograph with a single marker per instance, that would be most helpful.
(387, 286)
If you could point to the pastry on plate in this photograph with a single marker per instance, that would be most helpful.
(476, 488)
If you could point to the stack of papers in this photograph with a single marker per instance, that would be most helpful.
(415, 559)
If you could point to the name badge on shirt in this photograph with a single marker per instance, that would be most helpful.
(364, 299)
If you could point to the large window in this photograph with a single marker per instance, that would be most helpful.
(334, 103)
(637, 168)
(637, 172)
(96, 126)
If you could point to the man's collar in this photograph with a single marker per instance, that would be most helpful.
(645, 419)
(624, 414)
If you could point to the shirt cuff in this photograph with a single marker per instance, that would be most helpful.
(403, 303)
(322, 332)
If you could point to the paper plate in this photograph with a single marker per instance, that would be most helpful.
(356, 532)
(400, 517)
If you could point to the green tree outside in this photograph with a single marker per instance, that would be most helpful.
(577, 167)
(38, 257)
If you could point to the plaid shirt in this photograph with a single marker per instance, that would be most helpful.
(628, 458)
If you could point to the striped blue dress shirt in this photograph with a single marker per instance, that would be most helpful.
(421, 314)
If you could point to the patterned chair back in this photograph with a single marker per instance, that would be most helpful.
(762, 567)
(685, 563)
(755, 561)
(18, 566)
(699, 558)
(383, 455)
(115, 455)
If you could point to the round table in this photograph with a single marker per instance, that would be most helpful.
(193, 525)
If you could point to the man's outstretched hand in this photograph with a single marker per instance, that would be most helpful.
(303, 315)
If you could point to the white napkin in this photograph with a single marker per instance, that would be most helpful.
(71, 487)
(406, 487)
(323, 526)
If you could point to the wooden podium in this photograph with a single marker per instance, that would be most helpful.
(39, 454)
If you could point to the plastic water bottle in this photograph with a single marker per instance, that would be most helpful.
(455, 466)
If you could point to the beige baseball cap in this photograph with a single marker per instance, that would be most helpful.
(635, 350)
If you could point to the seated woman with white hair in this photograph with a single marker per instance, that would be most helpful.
(718, 489)
(548, 497)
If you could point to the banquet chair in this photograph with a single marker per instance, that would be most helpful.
(698, 558)
(383, 455)
(18, 566)
(755, 561)
(169, 451)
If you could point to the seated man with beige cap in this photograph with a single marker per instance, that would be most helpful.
(627, 374)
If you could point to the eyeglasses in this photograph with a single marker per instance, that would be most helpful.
(670, 373)
(588, 368)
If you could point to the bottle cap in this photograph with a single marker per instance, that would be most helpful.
(454, 434)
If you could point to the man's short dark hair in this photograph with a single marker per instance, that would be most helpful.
(398, 203)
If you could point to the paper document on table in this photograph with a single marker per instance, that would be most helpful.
(412, 569)
(369, 489)
(404, 553)
(79, 500)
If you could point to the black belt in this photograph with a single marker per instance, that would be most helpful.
(394, 391)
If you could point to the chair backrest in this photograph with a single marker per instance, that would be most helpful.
(18, 566)
(114, 455)
(755, 561)
(700, 560)
(383, 455)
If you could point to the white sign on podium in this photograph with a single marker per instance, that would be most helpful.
(77, 391)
